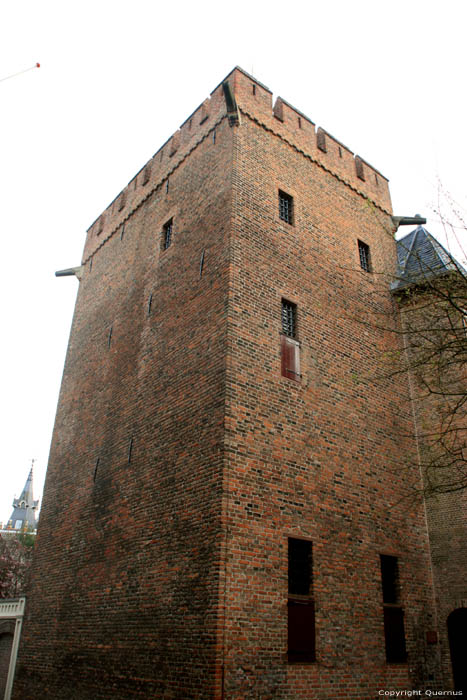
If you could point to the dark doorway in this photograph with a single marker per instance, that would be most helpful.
(6, 642)
(457, 632)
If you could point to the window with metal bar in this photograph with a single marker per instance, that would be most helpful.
(393, 612)
(364, 254)
(300, 603)
(290, 347)
(289, 318)
(167, 234)
(285, 207)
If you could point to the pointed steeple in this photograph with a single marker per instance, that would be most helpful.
(25, 507)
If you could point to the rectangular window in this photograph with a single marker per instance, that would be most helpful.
(285, 207)
(167, 234)
(289, 318)
(290, 347)
(364, 253)
(300, 604)
(394, 633)
(390, 579)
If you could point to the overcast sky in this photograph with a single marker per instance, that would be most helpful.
(118, 78)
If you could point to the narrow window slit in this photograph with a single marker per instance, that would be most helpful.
(364, 255)
(109, 339)
(130, 449)
(95, 469)
(290, 347)
(201, 263)
(300, 604)
(167, 234)
(285, 207)
(393, 611)
(149, 304)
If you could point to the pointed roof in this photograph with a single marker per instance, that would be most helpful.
(420, 256)
(25, 507)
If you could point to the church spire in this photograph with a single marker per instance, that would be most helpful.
(25, 507)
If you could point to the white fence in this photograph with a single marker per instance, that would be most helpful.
(12, 609)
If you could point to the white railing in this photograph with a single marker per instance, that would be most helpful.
(12, 609)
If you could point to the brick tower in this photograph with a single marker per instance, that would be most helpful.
(225, 448)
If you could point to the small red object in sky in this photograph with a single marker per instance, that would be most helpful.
(38, 65)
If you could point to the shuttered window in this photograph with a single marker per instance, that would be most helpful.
(290, 358)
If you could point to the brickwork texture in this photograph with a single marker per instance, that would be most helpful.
(182, 460)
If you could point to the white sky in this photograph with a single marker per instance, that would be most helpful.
(118, 78)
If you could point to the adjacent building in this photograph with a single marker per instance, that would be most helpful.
(25, 509)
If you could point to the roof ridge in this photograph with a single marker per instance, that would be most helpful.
(409, 252)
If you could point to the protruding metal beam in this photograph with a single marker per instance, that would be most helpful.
(408, 221)
(70, 271)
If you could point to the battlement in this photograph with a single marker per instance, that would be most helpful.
(157, 170)
(254, 101)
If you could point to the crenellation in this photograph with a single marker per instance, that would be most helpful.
(254, 99)
(294, 114)
(282, 118)
(373, 169)
(359, 168)
(146, 174)
(204, 111)
(257, 102)
(192, 131)
(278, 109)
(174, 144)
(121, 201)
(337, 143)
(321, 140)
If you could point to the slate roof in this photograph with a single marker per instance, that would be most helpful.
(25, 507)
(420, 256)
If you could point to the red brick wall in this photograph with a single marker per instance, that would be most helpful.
(322, 459)
(124, 599)
(166, 576)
